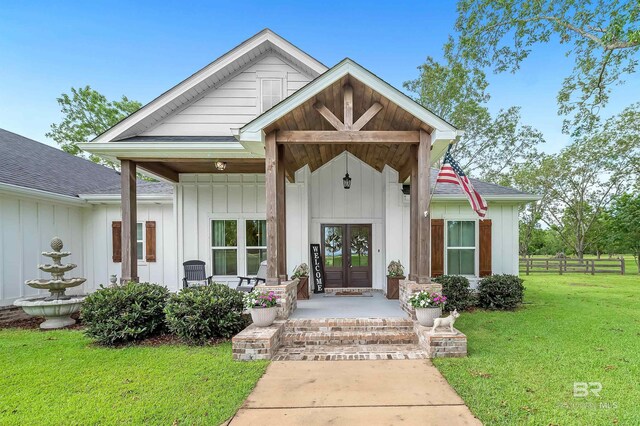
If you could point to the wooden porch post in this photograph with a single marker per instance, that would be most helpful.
(281, 214)
(424, 221)
(271, 189)
(413, 215)
(129, 221)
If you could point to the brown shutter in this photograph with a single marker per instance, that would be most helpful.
(151, 241)
(437, 247)
(116, 241)
(485, 248)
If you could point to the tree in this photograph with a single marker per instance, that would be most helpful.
(603, 38)
(586, 176)
(457, 93)
(86, 114)
(625, 220)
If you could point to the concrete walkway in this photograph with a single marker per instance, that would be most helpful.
(411, 392)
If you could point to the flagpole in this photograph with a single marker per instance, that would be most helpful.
(433, 190)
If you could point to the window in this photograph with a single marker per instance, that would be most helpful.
(461, 247)
(271, 92)
(224, 247)
(256, 244)
(140, 241)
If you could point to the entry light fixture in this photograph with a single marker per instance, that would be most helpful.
(221, 165)
(346, 180)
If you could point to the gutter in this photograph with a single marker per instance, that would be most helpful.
(38, 194)
(116, 198)
(520, 198)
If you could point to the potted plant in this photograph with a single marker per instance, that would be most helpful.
(301, 272)
(428, 306)
(263, 307)
(395, 273)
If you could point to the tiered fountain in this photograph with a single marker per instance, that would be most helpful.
(57, 308)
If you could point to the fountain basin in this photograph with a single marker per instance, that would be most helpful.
(56, 312)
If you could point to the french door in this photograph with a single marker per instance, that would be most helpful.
(346, 249)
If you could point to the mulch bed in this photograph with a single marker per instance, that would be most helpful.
(34, 323)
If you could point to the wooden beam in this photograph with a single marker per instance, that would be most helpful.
(281, 191)
(161, 170)
(271, 184)
(348, 106)
(367, 116)
(413, 213)
(424, 220)
(348, 136)
(328, 115)
(129, 244)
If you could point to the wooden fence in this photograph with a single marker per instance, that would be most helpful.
(566, 265)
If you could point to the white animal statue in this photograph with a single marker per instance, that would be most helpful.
(444, 322)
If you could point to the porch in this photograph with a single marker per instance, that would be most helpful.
(345, 112)
(371, 304)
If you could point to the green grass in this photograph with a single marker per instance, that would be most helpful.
(522, 365)
(60, 378)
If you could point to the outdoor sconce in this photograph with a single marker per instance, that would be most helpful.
(346, 180)
(221, 165)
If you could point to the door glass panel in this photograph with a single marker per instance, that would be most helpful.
(359, 245)
(333, 242)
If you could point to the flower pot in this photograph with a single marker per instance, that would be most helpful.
(426, 316)
(264, 317)
(303, 288)
(393, 287)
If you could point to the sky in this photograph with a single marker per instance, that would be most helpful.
(141, 48)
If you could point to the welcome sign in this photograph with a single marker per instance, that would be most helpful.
(317, 268)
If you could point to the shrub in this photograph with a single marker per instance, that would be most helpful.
(198, 314)
(504, 292)
(457, 290)
(126, 313)
(395, 269)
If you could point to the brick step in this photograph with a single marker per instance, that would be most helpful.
(348, 324)
(383, 336)
(350, 352)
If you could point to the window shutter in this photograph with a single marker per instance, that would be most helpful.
(485, 248)
(116, 241)
(151, 240)
(437, 247)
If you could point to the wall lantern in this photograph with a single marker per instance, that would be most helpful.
(220, 165)
(346, 180)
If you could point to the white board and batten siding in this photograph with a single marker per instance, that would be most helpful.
(98, 248)
(362, 203)
(27, 226)
(232, 104)
(504, 225)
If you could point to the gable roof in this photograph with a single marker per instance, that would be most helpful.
(210, 77)
(34, 165)
(251, 135)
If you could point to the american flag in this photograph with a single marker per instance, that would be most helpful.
(451, 172)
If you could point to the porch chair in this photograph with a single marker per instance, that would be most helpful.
(194, 273)
(261, 276)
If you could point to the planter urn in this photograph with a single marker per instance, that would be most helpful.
(426, 316)
(264, 317)
(393, 286)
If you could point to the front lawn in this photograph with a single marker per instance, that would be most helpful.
(60, 378)
(522, 365)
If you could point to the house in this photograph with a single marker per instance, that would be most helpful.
(45, 192)
(254, 150)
